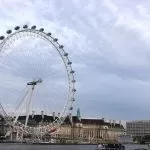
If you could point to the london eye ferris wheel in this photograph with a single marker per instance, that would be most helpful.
(36, 74)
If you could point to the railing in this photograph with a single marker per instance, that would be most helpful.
(110, 148)
(15, 146)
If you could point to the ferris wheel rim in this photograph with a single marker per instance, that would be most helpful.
(64, 56)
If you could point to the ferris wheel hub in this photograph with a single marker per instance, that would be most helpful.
(35, 82)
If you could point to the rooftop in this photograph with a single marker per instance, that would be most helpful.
(93, 121)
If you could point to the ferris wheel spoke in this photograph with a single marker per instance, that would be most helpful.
(29, 62)
(35, 66)
(53, 100)
(53, 73)
(40, 66)
(49, 98)
(12, 67)
(45, 65)
(11, 94)
(26, 54)
(7, 67)
(54, 70)
(59, 100)
(56, 88)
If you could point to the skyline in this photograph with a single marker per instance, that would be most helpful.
(108, 43)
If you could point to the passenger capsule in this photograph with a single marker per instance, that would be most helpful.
(9, 31)
(2, 37)
(73, 81)
(55, 39)
(66, 54)
(17, 28)
(61, 46)
(69, 63)
(33, 27)
(25, 26)
(73, 99)
(41, 30)
(49, 34)
(71, 108)
(74, 90)
(72, 71)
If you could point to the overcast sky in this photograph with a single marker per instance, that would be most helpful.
(108, 43)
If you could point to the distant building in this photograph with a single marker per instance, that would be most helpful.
(3, 126)
(125, 139)
(138, 128)
(91, 130)
(75, 128)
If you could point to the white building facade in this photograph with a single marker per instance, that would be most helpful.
(138, 128)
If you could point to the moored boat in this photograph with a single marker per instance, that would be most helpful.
(110, 147)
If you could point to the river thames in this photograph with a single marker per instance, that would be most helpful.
(58, 147)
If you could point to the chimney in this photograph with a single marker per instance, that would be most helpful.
(110, 123)
(70, 118)
(58, 115)
(120, 122)
(114, 122)
(42, 114)
(33, 113)
(54, 115)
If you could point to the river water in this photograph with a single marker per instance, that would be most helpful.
(4, 146)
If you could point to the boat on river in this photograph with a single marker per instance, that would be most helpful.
(110, 147)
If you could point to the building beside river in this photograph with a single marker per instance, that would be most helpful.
(138, 128)
(76, 129)
(3, 126)
(91, 130)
